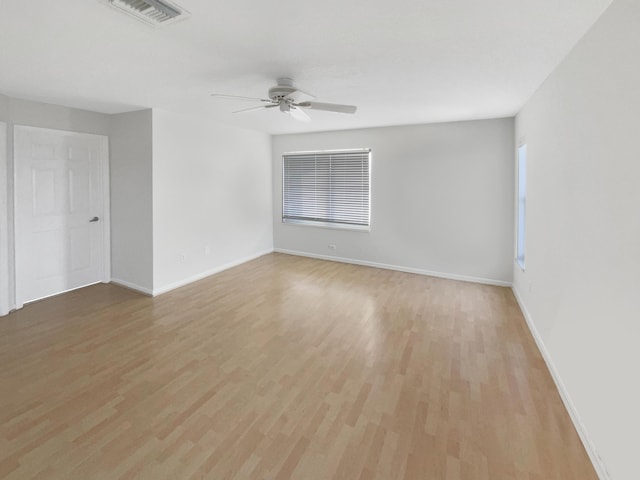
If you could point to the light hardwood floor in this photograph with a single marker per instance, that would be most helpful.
(282, 368)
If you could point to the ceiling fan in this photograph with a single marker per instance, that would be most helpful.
(290, 100)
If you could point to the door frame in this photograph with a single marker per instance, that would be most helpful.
(6, 296)
(103, 154)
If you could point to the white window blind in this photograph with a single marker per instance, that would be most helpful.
(327, 188)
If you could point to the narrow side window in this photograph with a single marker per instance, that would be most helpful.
(522, 204)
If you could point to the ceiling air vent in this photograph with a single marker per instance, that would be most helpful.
(153, 12)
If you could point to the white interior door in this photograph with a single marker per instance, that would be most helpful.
(61, 211)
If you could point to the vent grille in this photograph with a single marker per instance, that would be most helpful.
(153, 12)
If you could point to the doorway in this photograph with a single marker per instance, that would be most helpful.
(62, 237)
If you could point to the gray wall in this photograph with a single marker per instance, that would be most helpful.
(131, 178)
(4, 108)
(441, 199)
(581, 285)
(45, 115)
(207, 219)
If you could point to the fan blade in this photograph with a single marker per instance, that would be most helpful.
(236, 97)
(299, 114)
(261, 107)
(299, 96)
(328, 107)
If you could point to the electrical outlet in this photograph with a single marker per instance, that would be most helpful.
(183, 257)
(332, 246)
(207, 250)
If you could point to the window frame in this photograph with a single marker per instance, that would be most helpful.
(320, 223)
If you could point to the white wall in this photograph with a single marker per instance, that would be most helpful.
(581, 286)
(441, 199)
(131, 153)
(211, 197)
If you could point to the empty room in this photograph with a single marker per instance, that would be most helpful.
(319, 240)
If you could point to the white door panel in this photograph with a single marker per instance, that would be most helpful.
(60, 188)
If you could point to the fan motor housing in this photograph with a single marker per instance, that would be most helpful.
(280, 91)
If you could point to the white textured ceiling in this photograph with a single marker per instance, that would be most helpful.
(403, 62)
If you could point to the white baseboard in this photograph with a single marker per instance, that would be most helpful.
(597, 462)
(208, 273)
(132, 286)
(449, 276)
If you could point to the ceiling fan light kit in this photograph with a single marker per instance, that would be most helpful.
(291, 101)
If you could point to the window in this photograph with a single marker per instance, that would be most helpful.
(522, 203)
(328, 188)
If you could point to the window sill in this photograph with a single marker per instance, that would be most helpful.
(335, 226)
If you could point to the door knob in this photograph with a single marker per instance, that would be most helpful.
(94, 219)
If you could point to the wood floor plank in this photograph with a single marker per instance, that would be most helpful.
(282, 368)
